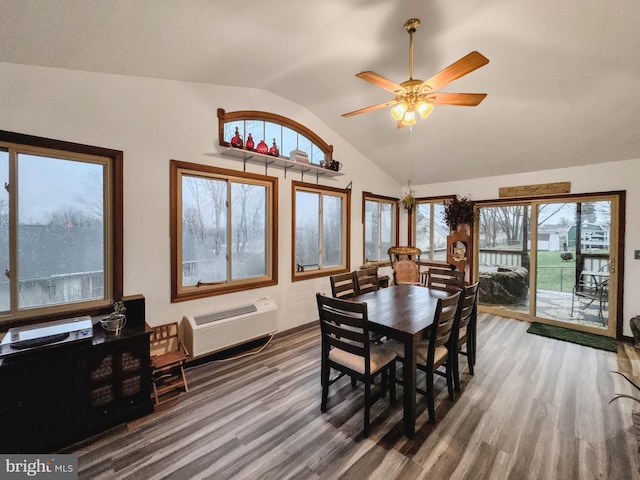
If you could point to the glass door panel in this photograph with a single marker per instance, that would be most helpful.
(503, 258)
(573, 262)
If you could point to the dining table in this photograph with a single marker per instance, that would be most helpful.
(403, 312)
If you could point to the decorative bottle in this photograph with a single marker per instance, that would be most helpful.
(262, 147)
(250, 143)
(274, 150)
(236, 141)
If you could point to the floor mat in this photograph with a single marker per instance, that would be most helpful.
(574, 336)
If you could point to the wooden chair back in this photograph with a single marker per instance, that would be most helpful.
(343, 285)
(367, 280)
(468, 307)
(344, 326)
(406, 271)
(397, 253)
(166, 338)
(445, 279)
(443, 322)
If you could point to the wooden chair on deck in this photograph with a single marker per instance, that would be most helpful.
(168, 355)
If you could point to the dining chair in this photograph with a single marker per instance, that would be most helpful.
(367, 280)
(406, 272)
(445, 279)
(436, 350)
(343, 285)
(464, 326)
(346, 348)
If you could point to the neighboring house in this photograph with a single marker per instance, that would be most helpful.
(593, 236)
(547, 242)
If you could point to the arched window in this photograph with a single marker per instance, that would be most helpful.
(287, 134)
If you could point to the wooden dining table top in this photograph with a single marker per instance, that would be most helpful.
(402, 308)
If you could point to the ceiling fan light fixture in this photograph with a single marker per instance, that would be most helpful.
(398, 111)
(415, 95)
(409, 118)
(424, 109)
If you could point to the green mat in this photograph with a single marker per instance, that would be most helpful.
(574, 336)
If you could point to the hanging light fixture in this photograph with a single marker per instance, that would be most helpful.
(420, 96)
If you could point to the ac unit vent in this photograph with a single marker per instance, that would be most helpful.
(211, 332)
(234, 312)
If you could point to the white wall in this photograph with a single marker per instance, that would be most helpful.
(154, 121)
(613, 176)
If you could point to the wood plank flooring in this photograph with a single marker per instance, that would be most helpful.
(535, 409)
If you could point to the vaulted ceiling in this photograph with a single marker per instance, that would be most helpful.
(562, 83)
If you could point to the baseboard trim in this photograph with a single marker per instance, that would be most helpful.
(299, 328)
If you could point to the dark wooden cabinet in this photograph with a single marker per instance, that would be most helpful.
(50, 398)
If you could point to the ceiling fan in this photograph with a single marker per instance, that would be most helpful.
(420, 96)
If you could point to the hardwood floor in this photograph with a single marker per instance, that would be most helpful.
(536, 408)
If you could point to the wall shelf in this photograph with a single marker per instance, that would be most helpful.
(278, 162)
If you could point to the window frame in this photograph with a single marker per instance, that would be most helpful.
(180, 293)
(380, 199)
(113, 225)
(297, 186)
(440, 200)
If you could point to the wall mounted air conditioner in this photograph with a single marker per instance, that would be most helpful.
(211, 332)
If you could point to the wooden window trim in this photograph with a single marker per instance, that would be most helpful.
(295, 187)
(116, 222)
(180, 294)
(381, 199)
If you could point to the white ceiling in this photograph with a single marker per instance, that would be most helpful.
(563, 80)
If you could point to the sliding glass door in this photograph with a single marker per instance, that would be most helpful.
(552, 261)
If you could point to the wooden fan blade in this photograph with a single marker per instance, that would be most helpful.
(371, 108)
(380, 81)
(466, 64)
(460, 99)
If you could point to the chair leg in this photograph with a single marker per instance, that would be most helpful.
(184, 379)
(384, 382)
(449, 374)
(392, 382)
(367, 400)
(325, 386)
(456, 370)
(353, 382)
(155, 392)
(430, 399)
